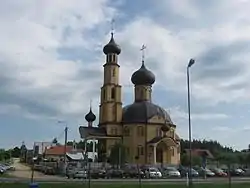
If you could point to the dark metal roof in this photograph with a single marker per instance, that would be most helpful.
(141, 112)
(90, 117)
(112, 47)
(92, 131)
(143, 76)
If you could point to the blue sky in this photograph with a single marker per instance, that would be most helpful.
(51, 64)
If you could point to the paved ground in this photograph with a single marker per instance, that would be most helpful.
(24, 172)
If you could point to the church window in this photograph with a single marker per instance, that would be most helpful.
(126, 131)
(113, 93)
(140, 131)
(109, 58)
(172, 151)
(114, 58)
(140, 150)
(113, 72)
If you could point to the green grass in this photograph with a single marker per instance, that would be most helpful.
(79, 185)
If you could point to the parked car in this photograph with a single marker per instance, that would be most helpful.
(115, 173)
(49, 171)
(185, 171)
(171, 172)
(152, 172)
(80, 175)
(219, 172)
(237, 172)
(205, 172)
(98, 173)
(133, 173)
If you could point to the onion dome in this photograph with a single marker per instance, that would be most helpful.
(143, 76)
(112, 47)
(90, 117)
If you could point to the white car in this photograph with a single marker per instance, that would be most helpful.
(172, 172)
(153, 173)
(80, 175)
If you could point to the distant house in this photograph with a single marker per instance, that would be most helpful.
(56, 153)
(39, 147)
(200, 153)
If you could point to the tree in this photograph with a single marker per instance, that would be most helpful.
(16, 152)
(118, 155)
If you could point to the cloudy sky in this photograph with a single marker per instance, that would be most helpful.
(51, 63)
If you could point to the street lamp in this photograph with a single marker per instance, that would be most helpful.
(190, 183)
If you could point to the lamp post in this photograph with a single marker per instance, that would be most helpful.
(190, 183)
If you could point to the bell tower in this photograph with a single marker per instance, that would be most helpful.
(110, 101)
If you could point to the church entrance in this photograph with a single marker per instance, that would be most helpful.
(160, 148)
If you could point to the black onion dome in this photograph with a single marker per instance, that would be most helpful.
(90, 117)
(143, 76)
(141, 112)
(112, 47)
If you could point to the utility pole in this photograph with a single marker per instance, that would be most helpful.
(65, 144)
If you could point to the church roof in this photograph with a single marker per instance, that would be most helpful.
(141, 112)
(143, 76)
(92, 131)
(112, 47)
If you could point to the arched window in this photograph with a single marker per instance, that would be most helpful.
(113, 93)
(114, 58)
(109, 58)
(172, 149)
(140, 131)
(140, 150)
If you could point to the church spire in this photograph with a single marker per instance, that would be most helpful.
(112, 47)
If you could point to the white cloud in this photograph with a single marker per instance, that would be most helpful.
(30, 35)
(34, 75)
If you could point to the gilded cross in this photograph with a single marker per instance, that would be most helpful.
(143, 51)
(112, 26)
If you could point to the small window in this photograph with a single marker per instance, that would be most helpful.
(126, 131)
(172, 151)
(140, 150)
(140, 131)
(109, 58)
(113, 72)
(113, 93)
(114, 58)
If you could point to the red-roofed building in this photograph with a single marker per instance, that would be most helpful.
(57, 152)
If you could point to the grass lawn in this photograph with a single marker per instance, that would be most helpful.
(79, 185)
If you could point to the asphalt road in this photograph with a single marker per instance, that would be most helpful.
(132, 181)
